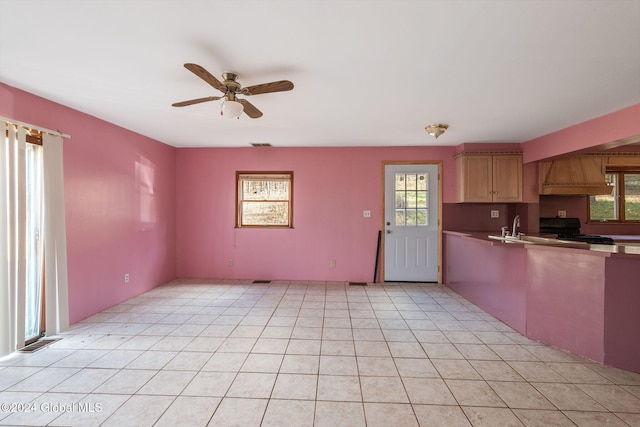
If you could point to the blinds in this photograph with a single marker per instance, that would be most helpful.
(285, 176)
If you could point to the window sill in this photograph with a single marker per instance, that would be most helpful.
(263, 227)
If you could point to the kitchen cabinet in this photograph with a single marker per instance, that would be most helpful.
(489, 178)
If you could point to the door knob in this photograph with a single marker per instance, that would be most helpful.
(388, 223)
(388, 231)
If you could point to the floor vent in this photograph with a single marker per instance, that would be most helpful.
(357, 283)
(38, 345)
(262, 281)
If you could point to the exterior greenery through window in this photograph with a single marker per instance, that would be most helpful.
(411, 194)
(264, 199)
(623, 204)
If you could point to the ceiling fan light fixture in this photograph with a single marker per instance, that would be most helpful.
(436, 129)
(232, 109)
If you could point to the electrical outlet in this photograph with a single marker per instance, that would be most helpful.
(562, 214)
(366, 214)
(230, 262)
(333, 263)
(126, 278)
(495, 214)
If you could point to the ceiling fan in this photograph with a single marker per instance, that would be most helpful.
(229, 86)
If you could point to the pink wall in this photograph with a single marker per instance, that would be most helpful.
(332, 187)
(119, 201)
(591, 135)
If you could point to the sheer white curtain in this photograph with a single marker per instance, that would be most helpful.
(55, 240)
(13, 237)
(6, 329)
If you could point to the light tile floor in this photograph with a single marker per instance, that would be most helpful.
(233, 353)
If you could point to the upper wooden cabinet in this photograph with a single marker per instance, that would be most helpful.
(483, 178)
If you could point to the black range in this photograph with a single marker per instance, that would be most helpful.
(569, 229)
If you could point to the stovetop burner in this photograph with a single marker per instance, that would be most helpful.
(569, 229)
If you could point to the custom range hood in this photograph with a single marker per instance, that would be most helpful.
(582, 175)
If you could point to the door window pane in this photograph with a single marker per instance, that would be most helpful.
(422, 182)
(411, 181)
(421, 217)
(421, 201)
(411, 217)
(412, 198)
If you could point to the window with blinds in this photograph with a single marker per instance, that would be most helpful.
(264, 199)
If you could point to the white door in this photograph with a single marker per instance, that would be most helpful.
(411, 222)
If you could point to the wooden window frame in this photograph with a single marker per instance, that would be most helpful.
(620, 171)
(256, 175)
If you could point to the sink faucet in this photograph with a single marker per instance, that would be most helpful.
(516, 223)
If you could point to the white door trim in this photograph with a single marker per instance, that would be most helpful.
(440, 197)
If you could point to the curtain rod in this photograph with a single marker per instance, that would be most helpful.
(38, 128)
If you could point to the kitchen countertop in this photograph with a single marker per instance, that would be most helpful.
(606, 250)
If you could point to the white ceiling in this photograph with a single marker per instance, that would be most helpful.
(366, 73)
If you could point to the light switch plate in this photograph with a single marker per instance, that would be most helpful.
(495, 214)
(562, 214)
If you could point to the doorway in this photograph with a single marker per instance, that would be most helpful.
(412, 206)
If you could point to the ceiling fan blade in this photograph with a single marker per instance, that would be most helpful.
(249, 109)
(196, 101)
(279, 86)
(206, 76)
